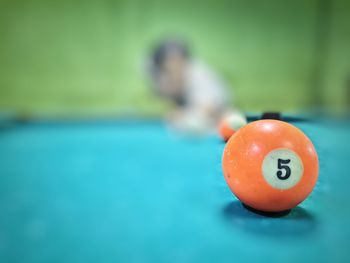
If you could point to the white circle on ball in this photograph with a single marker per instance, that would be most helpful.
(236, 121)
(282, 168)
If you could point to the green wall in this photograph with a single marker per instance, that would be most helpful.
(336, 77)
(86, 57)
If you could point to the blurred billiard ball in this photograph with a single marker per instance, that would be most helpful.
(230, 123)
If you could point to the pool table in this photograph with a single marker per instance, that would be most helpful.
(134, 191)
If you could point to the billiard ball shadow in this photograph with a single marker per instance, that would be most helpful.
(267, 214)
(295, 222)
(222, 141)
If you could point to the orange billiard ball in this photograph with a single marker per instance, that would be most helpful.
(270, 165)
(231, 123)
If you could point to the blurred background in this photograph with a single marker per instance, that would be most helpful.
(86, 58)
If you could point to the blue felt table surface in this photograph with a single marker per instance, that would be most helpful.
(135, 192)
